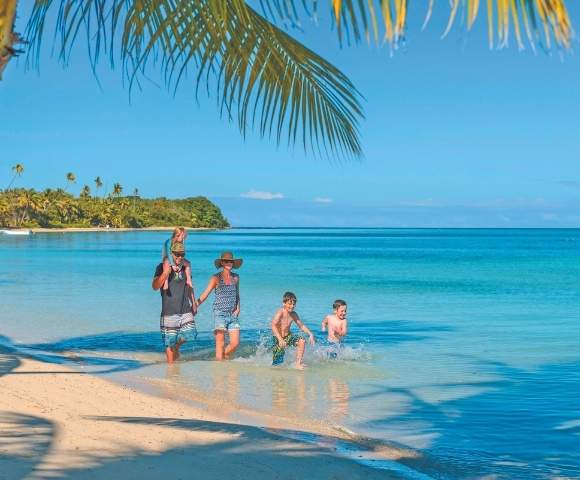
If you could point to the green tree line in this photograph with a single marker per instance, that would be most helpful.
(50, 208)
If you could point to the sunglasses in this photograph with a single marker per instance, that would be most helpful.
(178, 254)
(227, 261)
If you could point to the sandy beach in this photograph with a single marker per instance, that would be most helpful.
(57, 422)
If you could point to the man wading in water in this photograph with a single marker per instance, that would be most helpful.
(178, 304)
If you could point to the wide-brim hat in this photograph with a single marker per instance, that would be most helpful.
(228, 256)
(177, 247)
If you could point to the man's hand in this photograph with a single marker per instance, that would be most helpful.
(311, 339)
(282, 343)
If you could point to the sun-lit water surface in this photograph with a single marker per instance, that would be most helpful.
(463, 344)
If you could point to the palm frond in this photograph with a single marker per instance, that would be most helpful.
(262, 77)
(544, 21)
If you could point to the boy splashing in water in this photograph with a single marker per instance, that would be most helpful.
(336, 325)
(335, 322)
(282, 337)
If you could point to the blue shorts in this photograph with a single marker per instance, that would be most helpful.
(225, 321)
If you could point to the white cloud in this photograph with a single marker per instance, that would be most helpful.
(323, 200)
(256, 195)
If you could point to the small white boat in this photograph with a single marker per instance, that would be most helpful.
(18, 231)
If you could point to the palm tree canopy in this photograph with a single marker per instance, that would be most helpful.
(263, 78)
(98, 182)
(117, 189)
(18, 169)
(71, 177)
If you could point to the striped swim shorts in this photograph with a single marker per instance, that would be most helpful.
(178, 328)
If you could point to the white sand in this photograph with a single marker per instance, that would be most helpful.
(59, 423)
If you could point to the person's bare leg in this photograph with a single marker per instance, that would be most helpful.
(170, 354)
(166, 283)
(300, 353)
(188, 274)
(233, 344)
(219, 344)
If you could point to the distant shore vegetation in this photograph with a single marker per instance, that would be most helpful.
(50, 208)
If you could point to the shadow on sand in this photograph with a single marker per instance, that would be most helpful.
(24, 440)
(252, 453)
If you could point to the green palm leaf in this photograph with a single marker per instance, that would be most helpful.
(263, 78)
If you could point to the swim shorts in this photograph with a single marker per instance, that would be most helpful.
(278, 352)
(177, 328)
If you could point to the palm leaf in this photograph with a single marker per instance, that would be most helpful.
(261, 76)
(544, 21)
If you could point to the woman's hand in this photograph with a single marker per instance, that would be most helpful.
(236, 311)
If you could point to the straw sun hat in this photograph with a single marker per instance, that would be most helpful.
(218, 262)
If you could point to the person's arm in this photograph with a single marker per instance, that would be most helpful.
(210, 286)
(193, 302)
(303, 327)
(238, 306)
(324, 323)
(167, 251)
(343, 329)
(159, 279)
(276, 330)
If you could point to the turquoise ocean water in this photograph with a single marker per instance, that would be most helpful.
(463, 344)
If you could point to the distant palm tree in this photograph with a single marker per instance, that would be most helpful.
(117, 190)
(85, 192)
(98, 184)
(70, 178)
(18, 170)
(135, 196)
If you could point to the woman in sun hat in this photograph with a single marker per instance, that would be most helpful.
(226, 305)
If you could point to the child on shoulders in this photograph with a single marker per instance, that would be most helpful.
(282, 337)
(178, 237)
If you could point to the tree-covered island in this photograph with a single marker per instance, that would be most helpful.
(50, 208)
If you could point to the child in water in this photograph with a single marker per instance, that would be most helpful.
(335, 322)
(178, 236)
(336, 325)
(282, 337)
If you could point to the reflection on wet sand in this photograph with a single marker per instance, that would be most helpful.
(294, 396)
(289, 397)
(225, 388)
(338, 396)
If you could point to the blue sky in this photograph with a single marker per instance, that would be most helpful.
(454, 135)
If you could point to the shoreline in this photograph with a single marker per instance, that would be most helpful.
(70, 423)
(120, 229)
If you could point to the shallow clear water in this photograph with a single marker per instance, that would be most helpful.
(463, 344)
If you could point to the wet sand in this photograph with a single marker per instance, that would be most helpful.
(56, 422)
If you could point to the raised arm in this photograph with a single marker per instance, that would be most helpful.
(210, 286)
(167, 251)
(303, 327)
(324, 323)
